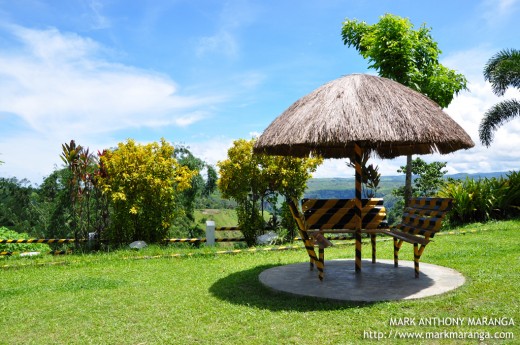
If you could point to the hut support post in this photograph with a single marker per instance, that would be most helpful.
(408, 181)
(358, 151)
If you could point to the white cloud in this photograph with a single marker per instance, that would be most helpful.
(35, 156)
(468, 109)
(99, 21)
(56, 86)
(223, 42)
(212, 150)
(496, 12)
(233, 16)
(60, 82)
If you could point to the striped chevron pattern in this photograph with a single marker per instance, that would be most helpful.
(329, 214)
(337, 215)
(422, 219)
(424, 216)
(358, 152)
(43, 240)
(307, 241)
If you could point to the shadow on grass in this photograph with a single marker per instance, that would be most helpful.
(244, 288)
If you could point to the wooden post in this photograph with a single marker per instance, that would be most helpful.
(408, 181)
(416, 258)
(357, 164)
(373, 242)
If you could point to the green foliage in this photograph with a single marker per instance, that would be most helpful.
(54, 201)
(221, 217)
(495, 117)
(287, 222)
(250, 179)
(81, 166)
(18, 205)
(184, 224)
(502, 71)
(411, 57)
(142, 183)
(214, 201)
(430, 177)
(70, 203)
(370, 176)
(399, 52)
(483, 199)
(250, 221)
(510, 200)
(6, 234)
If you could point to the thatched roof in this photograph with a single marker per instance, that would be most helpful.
(382, 116)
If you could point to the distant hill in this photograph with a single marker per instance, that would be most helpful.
(330, 188)
(476, 176)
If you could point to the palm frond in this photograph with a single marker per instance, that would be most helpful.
(495, 117)
(503, 70)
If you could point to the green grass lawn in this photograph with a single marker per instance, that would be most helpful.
(221, 217)
(116, 298)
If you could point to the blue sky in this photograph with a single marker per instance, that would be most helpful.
(203, 73)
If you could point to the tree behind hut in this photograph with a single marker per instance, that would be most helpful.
(411, 57)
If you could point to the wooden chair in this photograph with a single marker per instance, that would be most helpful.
(422, 219)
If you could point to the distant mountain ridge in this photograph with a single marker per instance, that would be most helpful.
(339, 187)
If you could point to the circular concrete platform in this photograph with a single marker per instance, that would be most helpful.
(376, 282)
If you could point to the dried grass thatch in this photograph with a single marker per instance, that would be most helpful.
(380, 115)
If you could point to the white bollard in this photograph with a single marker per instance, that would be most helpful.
(210, 233)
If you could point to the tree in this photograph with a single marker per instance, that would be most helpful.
(199, 187)
(81, 165)
(250, 179)
(429, 178)
(69, 204)
(411, 57)
(142, 183)
(55, 206)
(17, 205)
(502, 71)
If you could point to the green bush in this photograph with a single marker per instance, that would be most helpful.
(143, 184)
(511, 198)
(483, 199)
(6, 234)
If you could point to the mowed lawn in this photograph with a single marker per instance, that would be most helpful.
(117, 298)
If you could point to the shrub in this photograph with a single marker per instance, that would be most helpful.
(511, 198)
(6, 234)
(142, 183)
(483, 199)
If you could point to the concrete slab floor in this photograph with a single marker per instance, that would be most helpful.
(376, 282)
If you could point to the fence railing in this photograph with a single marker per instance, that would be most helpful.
(210, 239)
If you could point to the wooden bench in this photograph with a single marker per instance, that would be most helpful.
(319, 216)
(422, 219)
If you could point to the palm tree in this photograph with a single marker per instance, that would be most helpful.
(502, 71)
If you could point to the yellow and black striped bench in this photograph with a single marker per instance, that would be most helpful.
(320, 216)
(422, 219)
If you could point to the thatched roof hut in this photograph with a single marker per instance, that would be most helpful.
(380, 115)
